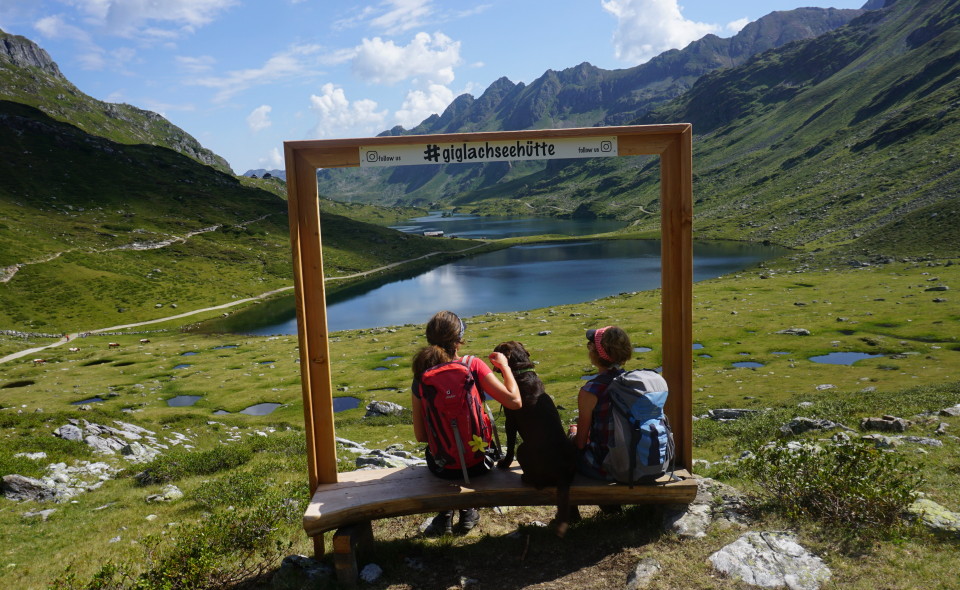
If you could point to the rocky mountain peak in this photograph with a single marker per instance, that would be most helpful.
(24, 53)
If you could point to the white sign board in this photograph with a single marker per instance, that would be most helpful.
(488, 151)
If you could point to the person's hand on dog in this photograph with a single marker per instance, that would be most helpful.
(498, 360)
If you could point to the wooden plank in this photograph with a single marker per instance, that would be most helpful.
(312, 322)
(676, 204)
(348, 541)
(381, 493)
(655, 133)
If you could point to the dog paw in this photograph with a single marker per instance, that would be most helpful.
(505, 463)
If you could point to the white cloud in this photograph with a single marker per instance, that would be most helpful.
(402, 15)
(283, 66)
(273, 160)
(259, 118)
(431, 58)
(420, 104)
(55, 27)
(195, 65)
(736, 26)
(646, 28)
(390, 16)
(129, 17)
(337, 116)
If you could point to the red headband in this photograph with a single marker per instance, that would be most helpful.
(597, 335)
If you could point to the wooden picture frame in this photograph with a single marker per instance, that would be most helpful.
(672, 143)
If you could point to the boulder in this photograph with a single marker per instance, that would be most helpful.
(18, 488)
(795, 332)
(730, 413)
(935, 517)
(801, 424)
(644, 573)
(169, 493)
(376, 408)
(771, 560)
(69, 432)
(885, 424)
(300, 571)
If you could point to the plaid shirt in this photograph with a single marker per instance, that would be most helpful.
(600, 424)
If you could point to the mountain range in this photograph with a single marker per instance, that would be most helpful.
(814, 128)
(845, 135)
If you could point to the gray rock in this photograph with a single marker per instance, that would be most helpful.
(641, 576)
(43, 514)
(922, 440)
(299, 571)
(376, 408)
(771, 560)
(954, 411)
(104, 446)
(882, 442)
(371, 573)
(169, 493)
(18, 488)
(795, 332)
(885, 424)
(69, 432)
(730, 413)
(935, 517)
(39, 455)
(801, 424)
(691, 523)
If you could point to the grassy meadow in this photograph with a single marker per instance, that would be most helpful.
(884, 310)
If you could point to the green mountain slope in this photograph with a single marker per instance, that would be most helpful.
(29, 76)
(111, 215)
(581, 96)
(849, 139)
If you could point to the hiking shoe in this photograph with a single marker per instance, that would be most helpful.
(442, 524)
(469, 519)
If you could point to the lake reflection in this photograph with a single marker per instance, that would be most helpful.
(515, 279)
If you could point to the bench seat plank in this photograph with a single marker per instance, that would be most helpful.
(365, 495)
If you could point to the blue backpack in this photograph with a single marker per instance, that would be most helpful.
(641, 444)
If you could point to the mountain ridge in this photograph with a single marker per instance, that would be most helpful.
(580, 96)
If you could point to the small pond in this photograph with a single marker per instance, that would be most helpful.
(392, 358)
(843, 358)
(748, 365)
(642, 349)
(181, 401)
(224, 347)
(705, 356)
(12, 384)
(780, 352)
(345, 403)
(189, 353)
(260, 409)
(181, 366)
(87, 401)
(697, 346)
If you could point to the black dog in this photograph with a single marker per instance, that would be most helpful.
(546, 455)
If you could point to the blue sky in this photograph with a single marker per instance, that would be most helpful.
(243, 76)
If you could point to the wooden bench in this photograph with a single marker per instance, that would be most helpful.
(360, 497)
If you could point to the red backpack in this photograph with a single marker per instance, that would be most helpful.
(459, 431)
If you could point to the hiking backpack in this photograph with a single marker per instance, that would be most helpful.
(641, 442)
(460, 434)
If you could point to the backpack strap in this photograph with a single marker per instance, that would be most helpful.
(460, 452)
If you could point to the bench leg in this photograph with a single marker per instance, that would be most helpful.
(346, 541)
(318, 547)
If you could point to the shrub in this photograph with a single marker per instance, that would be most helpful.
(854, 487)
(222, 551)
(181, 463)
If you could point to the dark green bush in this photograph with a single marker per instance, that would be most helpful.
(222, 551)
(853, 486)
(180, 463)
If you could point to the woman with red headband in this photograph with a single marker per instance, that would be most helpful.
(608, 348)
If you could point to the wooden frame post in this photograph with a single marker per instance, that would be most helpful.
(672, 143)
